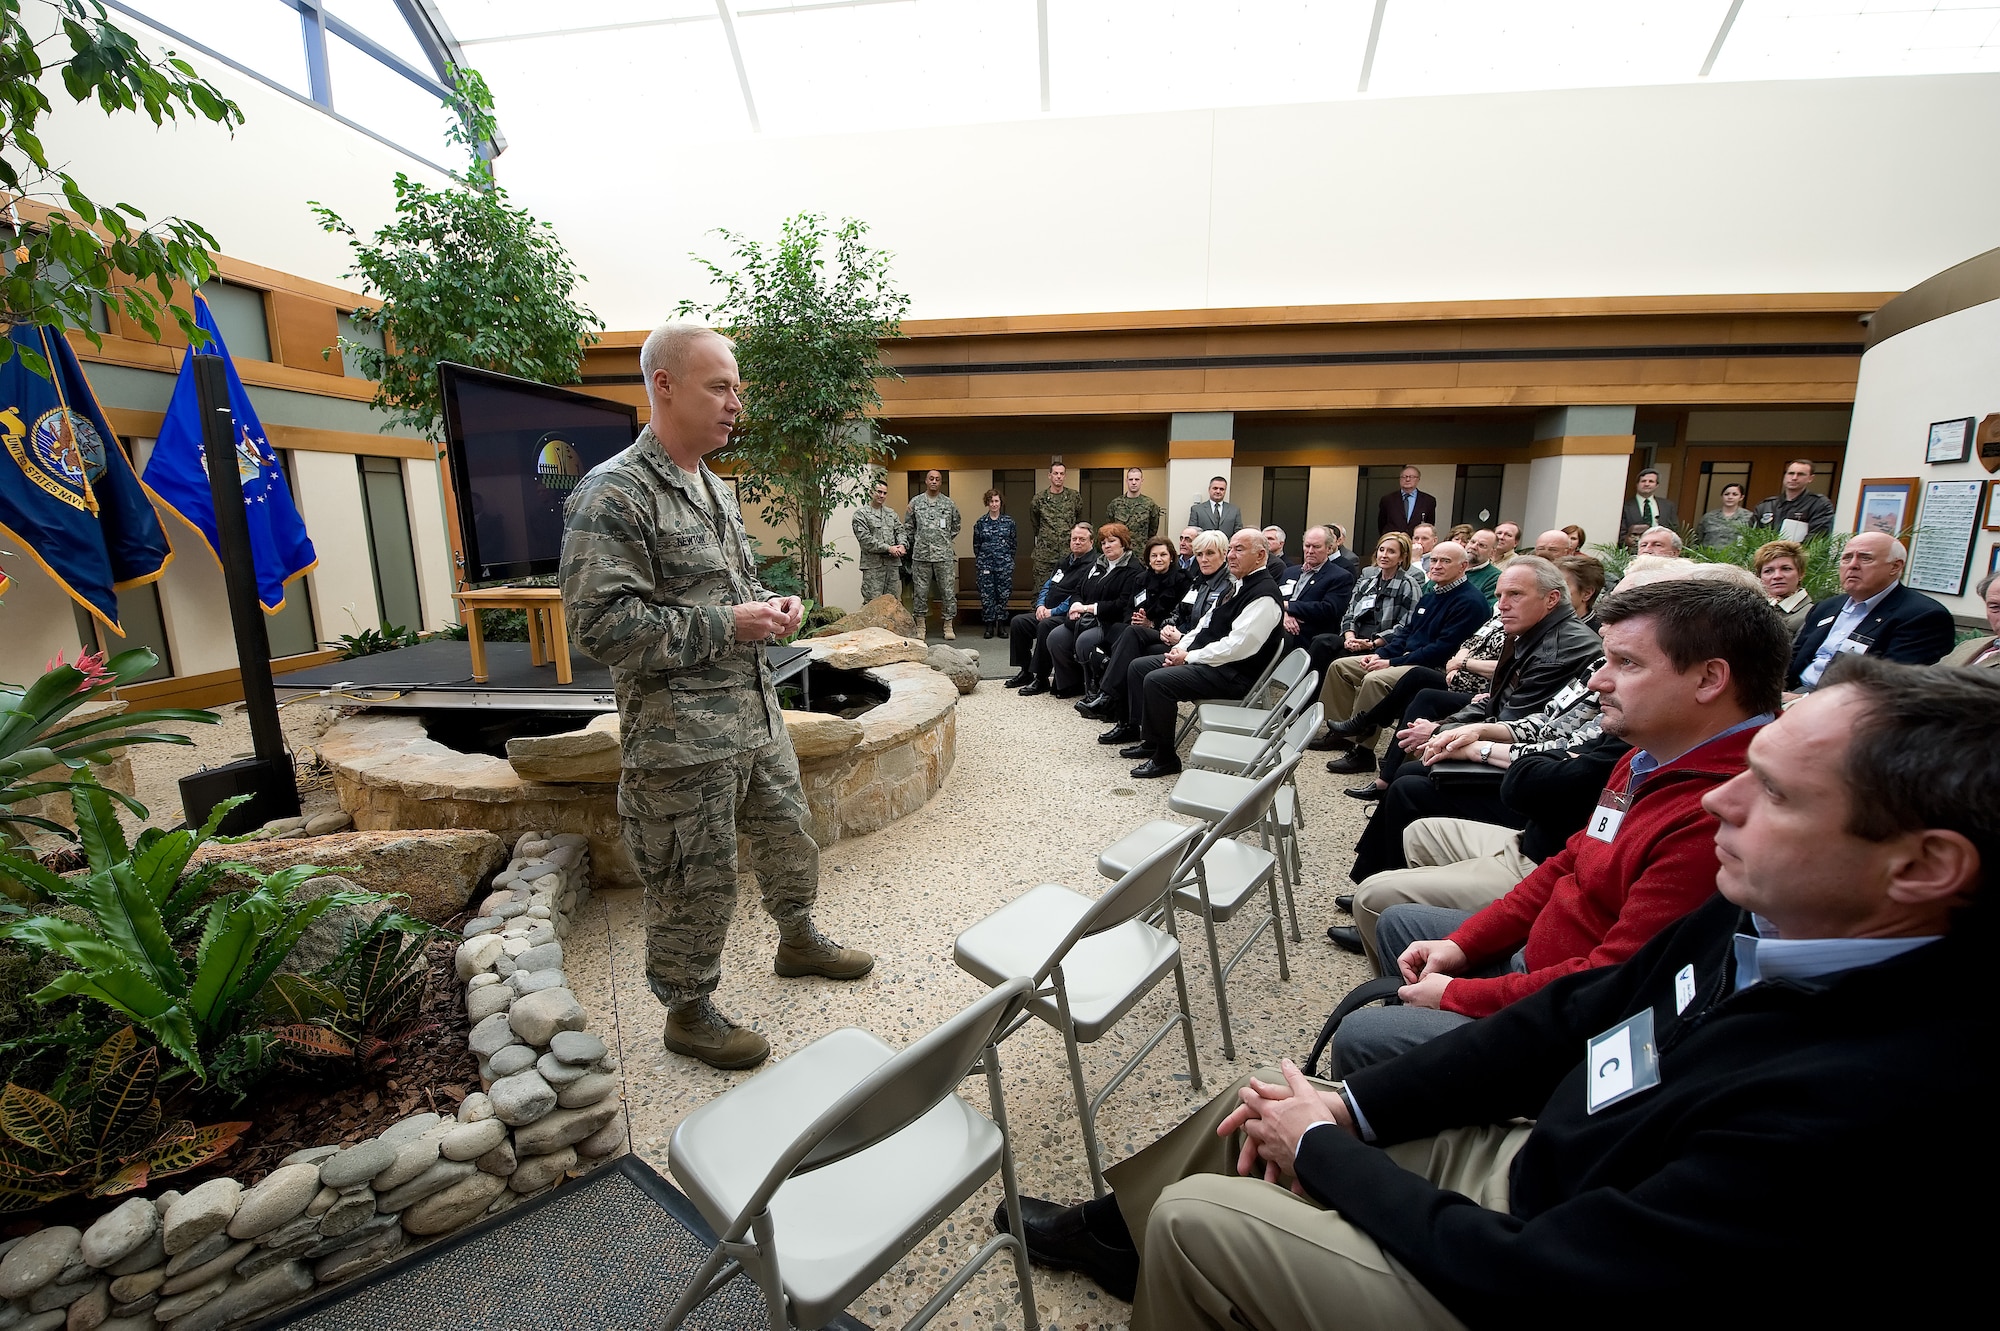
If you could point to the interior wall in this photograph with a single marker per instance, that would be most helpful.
(1936, 371)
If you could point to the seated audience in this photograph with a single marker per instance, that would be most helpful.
(1445, 617)
(1662, 541)
(1480, 570)
(1157, 596)
(1723, 526)
(1506, 542)
(1187, 547)
(1316, 591)
(1385, 595)
(1577, 537)
(1220, 659)
(1423, 539)
(1873, 615)
(1509, 1173)
(1341, 554)
(1555, 544)
(1462, 533)
(1546, 644)
(1630, 540)
(1780, 566)
(1028, 632)
(1101, 600)
(1585, 575)
(1984, 651)
(1469, 671)
(1161, 629)
(1274, 545)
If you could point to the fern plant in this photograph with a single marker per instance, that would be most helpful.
(111, 1137)
(377, 983)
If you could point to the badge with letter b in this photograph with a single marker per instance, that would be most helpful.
(1609, 813)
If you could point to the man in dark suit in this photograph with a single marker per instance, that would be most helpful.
(1648, 506)
(1874, 615)
(1315, 591)
(1341, 554)
(1216, 513)
(1407, 507)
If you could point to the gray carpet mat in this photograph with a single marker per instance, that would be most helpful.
(609, 1251)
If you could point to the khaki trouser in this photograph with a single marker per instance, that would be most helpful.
(1352, 689)
(1221, 1251)
(1454, 863)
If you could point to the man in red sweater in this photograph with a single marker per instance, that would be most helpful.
(1691, 670)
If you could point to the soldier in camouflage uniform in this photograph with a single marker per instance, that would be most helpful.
(1141, 516)
(1055, 511)
(882, 539)
(660, 585)
(933, 522)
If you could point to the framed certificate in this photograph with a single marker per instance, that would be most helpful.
(1941, 546)
(1993, 505)
(1950, 441)
(1885, 505)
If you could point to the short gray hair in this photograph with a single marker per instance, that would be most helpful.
(1212, 542)
(667, 348)
(1730, 573)
(1667, 532)
(1548, 578)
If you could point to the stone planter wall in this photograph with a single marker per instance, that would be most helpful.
(221, 1255)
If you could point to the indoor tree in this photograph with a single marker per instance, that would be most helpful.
(462, 276)
(70, 252)
(808, 316)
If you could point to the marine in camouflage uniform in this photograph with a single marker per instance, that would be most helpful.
(1054, 512)
(933, 523)
(1141, 516)
(877, 530)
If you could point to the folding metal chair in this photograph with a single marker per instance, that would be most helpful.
(1209, 795)
(1217, 877)
(1224, 751)
(822, 1171)
(1090, 961)
(1252, 696)
(1241, 719)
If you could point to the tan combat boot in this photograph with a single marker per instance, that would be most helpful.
(700, 1031)
(949, 632)
(815, 954)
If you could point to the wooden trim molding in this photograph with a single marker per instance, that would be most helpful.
(1201, 448)
(1583, 445)
(217, 686)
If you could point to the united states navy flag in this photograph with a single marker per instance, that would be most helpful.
(68, 496)
(278, 541)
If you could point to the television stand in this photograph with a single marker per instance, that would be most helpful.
(548, 633)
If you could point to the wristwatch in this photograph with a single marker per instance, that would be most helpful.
(1485, 750)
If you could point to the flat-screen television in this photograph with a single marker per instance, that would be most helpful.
(517, 450)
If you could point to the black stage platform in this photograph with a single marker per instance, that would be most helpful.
(438, 674)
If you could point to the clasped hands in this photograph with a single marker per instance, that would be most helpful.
(1427, 966)
(1272, 1119)
(777, 618)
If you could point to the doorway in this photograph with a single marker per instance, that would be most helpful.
(1475, 494)
(1374, 482)
(1285, 506)
(1017, 497)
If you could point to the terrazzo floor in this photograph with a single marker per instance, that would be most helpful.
(1031, 799)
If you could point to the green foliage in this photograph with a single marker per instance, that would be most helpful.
(381, 976)
(808, 329)
(196, 971)
(370, 641)
(35, 738)
(107, 1136)
(85, 251)
(462, 277)
(1821, 575)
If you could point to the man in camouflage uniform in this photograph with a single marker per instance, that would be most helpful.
(1141, 516)
(660, 585)
(1053, 513)
(882, 540)
(933, 521)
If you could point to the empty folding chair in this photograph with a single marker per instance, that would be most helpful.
(1222, 751)
(1217, 878)
(822, 1171)
(1209, 795)
(1090, 962)
(1254, 696)
(1246, 718)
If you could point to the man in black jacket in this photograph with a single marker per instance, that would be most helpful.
(1315, 591)
(1743, 1094)
(1874, 615)
(1028, 632)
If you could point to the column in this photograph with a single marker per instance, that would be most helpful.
(1576, 472)
(1200, 445)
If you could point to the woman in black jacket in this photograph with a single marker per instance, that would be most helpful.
(1103, 599)
(1171, 595)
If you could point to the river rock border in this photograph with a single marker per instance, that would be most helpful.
(220, 1254)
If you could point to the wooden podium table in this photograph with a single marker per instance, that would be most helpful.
(548, 633)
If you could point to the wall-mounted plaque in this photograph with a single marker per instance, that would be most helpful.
(1941, 546)
(1950, 441)
(1988, 442)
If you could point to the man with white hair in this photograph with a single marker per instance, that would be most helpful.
(1274, 549)
(1874, 615)
(1663, 541)
(660, 584)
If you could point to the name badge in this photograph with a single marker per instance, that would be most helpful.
(1423, 610)
(1683, 989)
(1287, 588)
(1621, 1062)
(1855, 645)
(941, 524)
(1570, 693)
(1610, 812)
(1057, 577)
(1365, 604)
(1139, 600)
(1189, 598)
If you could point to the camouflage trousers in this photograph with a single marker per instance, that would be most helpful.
(880, 580)
(681, 826)
(995, 586)
(939, 575)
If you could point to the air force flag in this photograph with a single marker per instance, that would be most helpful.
(176, 472)
(68, 496)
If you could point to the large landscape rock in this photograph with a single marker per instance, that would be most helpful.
(865, 647)
(884, 612)
(821, 734)
(435, 871)
(960, 667)
(589, 754)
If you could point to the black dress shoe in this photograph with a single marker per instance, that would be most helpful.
(1136, 751)
(1157, 766)
(1017, 679)
(1353, 761)
(1060, 1239)
(1345, 901)
(1327, 740)
(1122, 733)
(1345, 937)
(1073, 691)
(1035, 690)
(1354, 727)
(1367, 792)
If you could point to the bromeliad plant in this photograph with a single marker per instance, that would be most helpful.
(200, 973)
(104, 1135)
